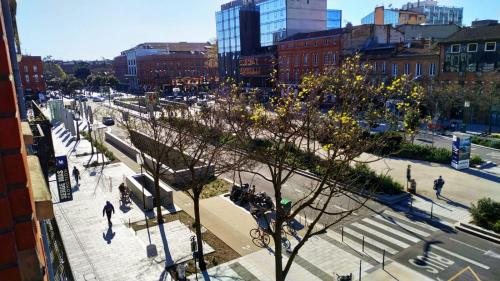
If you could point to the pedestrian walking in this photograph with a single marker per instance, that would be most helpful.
(108, 209)
(76, 175)
(408, 175)
(438, 185)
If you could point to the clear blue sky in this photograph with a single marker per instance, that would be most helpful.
(91, 29)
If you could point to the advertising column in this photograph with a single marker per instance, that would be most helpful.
(460, 151)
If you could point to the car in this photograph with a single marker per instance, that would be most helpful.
(108, 121)
(98, 99)
(82, 98)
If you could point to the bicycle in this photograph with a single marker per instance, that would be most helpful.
(259, 234)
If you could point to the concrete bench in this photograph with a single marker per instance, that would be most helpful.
(135, 184)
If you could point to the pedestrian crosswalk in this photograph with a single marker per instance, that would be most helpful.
(388, 232)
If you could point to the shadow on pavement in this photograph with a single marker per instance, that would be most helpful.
(168, 258)
(109, 235)
(482, 175)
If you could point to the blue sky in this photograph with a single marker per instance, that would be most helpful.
(91, 29)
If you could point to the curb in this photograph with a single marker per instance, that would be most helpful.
(379, 198)
(478, 232)
(477, 145)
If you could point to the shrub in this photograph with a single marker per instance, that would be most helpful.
(486, 213)
(424, 153)
(386, 143)
(486, 142)
(496, 227)
(476, 160)
(368, 179)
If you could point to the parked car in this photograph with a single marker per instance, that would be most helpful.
(98, 99)
(83, 98)
(108, 121)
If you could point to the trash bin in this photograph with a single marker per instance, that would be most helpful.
(412, 188)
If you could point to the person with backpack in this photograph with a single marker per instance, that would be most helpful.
(108, 209)
(438, 185)
(76, 175)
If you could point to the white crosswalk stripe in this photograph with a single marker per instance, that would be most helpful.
(371, 241)
(392, 230)
(403, 225)
(381, 235)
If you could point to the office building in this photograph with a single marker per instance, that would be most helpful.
(238, 22)
(436, 14)
(394, 17)
(333, 19)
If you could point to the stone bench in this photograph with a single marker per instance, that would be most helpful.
(135, 184)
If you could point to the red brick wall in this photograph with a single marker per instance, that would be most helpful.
(291, 54)
(21, 255)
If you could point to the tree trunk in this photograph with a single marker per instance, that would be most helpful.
(277, 253)
(199, 238)
(159, 217)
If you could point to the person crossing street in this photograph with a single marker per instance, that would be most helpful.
(438, 186)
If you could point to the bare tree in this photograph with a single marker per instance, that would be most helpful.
(275, 137)
(205, 151)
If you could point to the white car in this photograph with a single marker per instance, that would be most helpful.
(98, 99)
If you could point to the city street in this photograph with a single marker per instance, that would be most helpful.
(445, 256)
(486, 154)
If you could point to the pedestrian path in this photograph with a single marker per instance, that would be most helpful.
(382, 234)
(444, 209)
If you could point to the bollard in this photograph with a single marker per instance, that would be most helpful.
(411, 204)
(383, 259)
(342, 234)
(359, 270)
(363, 245)
(432, 209)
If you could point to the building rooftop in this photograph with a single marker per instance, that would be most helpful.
(475, 34)
(174, 46)
(316, 34)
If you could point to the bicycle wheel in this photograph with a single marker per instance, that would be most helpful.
(255, 233)
(265, 239)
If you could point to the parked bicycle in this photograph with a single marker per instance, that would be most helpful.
(260, 237)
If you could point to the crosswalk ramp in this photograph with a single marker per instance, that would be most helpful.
(388, 232)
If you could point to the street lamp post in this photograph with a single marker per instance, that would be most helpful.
(76, 116)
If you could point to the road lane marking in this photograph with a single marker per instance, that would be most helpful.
(370, 241)
(465, 244)
(460, 257)
(404, 225)
(392, 230)
(381, 235)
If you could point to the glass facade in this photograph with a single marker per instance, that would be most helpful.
(391, 17)
(369, 19)
(228, 30)
(333, 19)
(272, 20)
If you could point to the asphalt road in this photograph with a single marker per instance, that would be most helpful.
(445, 142)
(454, 255)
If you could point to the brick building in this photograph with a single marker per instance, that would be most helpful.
(120, 69)
(25, 200)
(31, 68)
(308, 53)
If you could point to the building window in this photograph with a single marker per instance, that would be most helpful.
(418, 69)
(315, 59)
(374, 66)
(297, 60)
(305, 59)
(394, 69)
(432, 69)
(407, 68)
(36, 78)
(326, 59)
(327, 41)
(27, 78)
(384, 67)
(472, 47)
(455, 48)
(35, 68)
(490, 46)
(26, 68)
(334, 58)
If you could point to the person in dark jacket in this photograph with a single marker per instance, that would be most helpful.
(76, 174)
(108, 208)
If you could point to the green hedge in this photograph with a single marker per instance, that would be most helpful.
(100, 147)
(486, 142)
(487, 214)
(424, 153)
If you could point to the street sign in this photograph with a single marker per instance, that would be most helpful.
(460, 151)
(63, 179)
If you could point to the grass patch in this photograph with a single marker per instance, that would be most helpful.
(215, 187)
(100, 147)
(493, 143)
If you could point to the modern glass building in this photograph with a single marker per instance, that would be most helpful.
(333, 19)
(273, 16)
(390, 17)
(436, 14)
